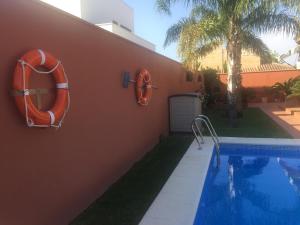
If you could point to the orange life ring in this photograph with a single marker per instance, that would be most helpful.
(23, 70)
(143, 87)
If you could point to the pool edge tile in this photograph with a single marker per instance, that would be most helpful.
(158, 214)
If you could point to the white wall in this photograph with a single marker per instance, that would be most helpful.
(103, 13)
(70, 6)
(116, 29)
(106, 11)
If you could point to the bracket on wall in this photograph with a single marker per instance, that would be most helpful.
(38, 92)
(127, 80)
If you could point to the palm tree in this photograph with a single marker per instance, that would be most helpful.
(297, 49)
(286, 87)
(297, 39)
(295, 90)
(235, 23)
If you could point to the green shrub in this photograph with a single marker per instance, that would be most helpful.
(295, 90)
(286, 87)
(212, 86)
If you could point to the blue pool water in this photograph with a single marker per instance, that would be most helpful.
(255, 184)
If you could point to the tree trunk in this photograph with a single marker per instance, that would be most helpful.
(239, 103)
(234, 52)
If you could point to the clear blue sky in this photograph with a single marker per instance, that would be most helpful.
(152, 26)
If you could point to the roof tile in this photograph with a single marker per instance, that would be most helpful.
(268, 67)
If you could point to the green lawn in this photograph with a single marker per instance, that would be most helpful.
(255, 123)
(126, 201)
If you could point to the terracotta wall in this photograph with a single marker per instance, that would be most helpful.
(263, 79)
(49, 176)
(259, 83)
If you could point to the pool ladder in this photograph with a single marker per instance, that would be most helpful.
(202, 119)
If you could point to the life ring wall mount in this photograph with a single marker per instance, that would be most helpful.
(26, 65)
(143, 86)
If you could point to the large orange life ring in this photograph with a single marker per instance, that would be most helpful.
(34, 117)
(143, 87)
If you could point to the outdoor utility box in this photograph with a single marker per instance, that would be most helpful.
(183, 109)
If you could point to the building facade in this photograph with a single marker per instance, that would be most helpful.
(113, 15)
(70, 6)
(112, 11)
(217, 59)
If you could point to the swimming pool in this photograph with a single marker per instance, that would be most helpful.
(255, 184)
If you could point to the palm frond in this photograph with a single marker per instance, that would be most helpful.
(254, 44)
(190, 50)
(263, 19)
(200, 11)
(243, 6)
(289, 87)
(163, 6)
(192, 33)
(173, 33)
(295, 89)
(202, 51)
(297, 50)
(293, 4)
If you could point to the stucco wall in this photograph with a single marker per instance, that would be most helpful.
(70, 6)
(104, 11)
(259, 82)
(217, 58)
(116, 29)
(49, 176)
(263, 79)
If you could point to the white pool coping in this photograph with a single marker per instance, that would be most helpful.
(177, 202)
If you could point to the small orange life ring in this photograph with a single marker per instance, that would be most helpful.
(34, 117)
(143, 87)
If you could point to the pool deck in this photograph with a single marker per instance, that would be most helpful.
(177, 202)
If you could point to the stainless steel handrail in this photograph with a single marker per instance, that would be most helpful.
(211, 126)
(212, 131)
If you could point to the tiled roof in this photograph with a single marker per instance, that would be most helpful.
(268, 67)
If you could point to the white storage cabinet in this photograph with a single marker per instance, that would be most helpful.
(183, 108)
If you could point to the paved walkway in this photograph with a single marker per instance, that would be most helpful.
(290, 123)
